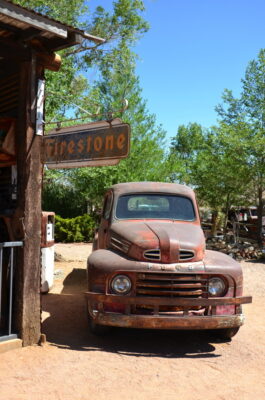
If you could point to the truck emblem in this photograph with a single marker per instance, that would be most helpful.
(189, 267)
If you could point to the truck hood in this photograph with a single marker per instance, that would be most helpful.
(161, 241)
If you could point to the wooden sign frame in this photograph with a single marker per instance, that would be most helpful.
(94, 144)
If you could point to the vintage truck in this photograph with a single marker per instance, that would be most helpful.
(149, 267)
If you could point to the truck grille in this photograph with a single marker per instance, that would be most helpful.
(171, 285)
(154, 254)
(185, 255)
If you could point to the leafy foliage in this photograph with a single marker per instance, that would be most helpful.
(79, 229)
(123, 25)
(64, 11)
(60, 196)
(248, 127)
(71, 193)
(226, 163)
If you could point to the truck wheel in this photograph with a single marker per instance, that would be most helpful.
(96, 329)
(227, 333)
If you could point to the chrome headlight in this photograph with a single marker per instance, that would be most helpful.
(121, 284)
(216, 286)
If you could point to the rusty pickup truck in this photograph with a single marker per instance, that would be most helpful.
(149, 267)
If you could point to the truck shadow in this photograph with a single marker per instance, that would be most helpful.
(66, 328)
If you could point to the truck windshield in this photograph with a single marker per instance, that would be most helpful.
(155, 206)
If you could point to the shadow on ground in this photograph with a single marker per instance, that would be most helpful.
(67, 328)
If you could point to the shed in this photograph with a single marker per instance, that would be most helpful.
(28, 41)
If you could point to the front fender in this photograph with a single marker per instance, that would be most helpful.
(100, 264)
(106, 261)
(220, 263)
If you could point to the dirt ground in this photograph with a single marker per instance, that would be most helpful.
(132, 364)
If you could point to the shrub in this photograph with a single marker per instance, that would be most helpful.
(78, 229)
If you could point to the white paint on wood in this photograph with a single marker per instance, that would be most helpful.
(40, 107)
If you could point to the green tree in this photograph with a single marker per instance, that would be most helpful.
(184, 149)
(227, 162)
(248, 124)
(205, 159)
(69, 91)
(146, 160)
(60, 196)
(70, 85)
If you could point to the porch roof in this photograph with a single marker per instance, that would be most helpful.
(26, 27)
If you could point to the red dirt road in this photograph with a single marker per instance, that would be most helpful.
(131, 364)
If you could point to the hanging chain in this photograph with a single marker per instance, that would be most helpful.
(108, 114)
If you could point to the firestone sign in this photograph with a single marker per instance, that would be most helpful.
(95, 144)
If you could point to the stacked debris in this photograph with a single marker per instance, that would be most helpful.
(241, 250)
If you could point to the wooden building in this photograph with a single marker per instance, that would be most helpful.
(28, 41)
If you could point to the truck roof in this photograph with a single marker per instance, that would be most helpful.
(152, 187)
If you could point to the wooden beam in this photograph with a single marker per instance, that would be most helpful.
(11, 49)
(9, 28)
(37, 21)
(93, 38)
(18, 34)
(50, 61)
(27, 219)
(28, 34)
(60, 44)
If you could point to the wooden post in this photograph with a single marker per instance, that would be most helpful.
(27, 219)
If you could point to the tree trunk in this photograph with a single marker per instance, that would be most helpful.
(227, 207)
(260, 213)
(214, 223)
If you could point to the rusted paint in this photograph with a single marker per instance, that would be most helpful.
(156, 322)
(46, 217)
(169, 236)
(122, 246)
(190, 302)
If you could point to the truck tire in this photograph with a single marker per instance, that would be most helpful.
(96, 329)
(226, 334)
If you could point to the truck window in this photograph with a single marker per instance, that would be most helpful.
(155, 206)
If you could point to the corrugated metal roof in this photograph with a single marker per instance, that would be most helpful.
(18, 21)
(93, 38)
(39, 14)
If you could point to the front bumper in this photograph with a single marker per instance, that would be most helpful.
(162, 320)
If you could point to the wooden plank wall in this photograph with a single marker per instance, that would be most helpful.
(9, 90)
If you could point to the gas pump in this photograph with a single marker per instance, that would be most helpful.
(47, 250)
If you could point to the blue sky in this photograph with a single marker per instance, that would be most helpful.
(192, 52)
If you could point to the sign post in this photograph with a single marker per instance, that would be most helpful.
(94, 144)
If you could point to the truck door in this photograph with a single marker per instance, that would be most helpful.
(105, 221)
